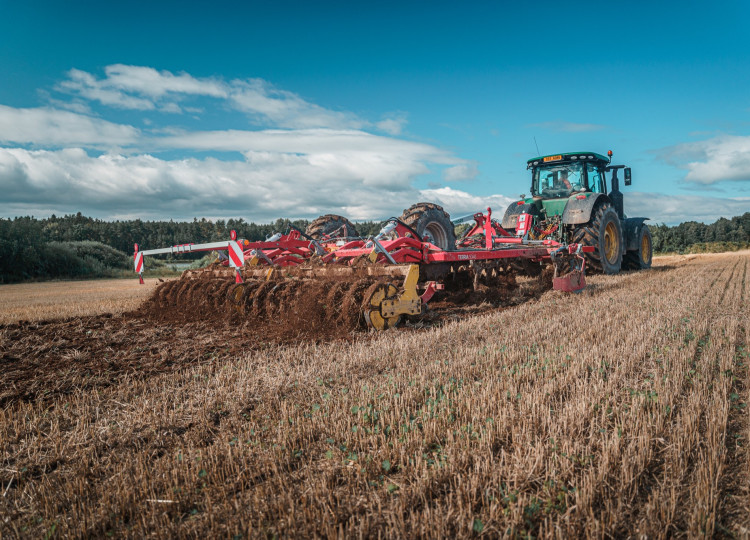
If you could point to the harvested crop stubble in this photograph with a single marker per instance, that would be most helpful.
(43, 301)
(619, 411)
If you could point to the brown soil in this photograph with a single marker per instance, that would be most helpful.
(205, 319)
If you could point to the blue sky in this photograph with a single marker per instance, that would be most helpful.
(277, 109)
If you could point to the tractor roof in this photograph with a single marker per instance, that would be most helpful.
(567, 156)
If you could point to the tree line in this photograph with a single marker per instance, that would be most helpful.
(80, 246)
(692, 236)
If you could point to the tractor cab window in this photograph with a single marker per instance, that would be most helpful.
(558, 180)
(596, 181)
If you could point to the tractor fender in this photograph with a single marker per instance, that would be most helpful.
(579, 211)
(510, 219)
(631, 230)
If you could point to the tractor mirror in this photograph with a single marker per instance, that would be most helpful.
(627, 176)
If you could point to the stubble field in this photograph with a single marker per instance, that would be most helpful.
(620, 411)
(42, 301)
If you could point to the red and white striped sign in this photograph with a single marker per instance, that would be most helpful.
(236, 256)
(138, 262)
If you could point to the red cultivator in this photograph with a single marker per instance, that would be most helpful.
(360, 271)
(572, 217)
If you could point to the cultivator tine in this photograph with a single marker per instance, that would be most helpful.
(319, 249)
(261, 255)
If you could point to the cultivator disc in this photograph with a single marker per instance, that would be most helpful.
(313, 299)
(307, 303)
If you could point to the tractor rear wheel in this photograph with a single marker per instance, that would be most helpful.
(604, 232)
(432, 223)
(331, 226)
(639, 259)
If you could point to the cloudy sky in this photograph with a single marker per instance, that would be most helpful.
(263, 110)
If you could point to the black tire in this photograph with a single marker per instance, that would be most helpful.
(641, 258)
(602, 230)
(331, 224)
(432, 223)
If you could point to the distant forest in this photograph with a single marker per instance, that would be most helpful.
(79, 246)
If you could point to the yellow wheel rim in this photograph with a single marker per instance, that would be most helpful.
(372, 311)
(611, 242)
(646, 249)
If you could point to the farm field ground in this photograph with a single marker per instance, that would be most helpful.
(48, 300)
(620, 411)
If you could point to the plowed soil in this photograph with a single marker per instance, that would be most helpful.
(199, 321)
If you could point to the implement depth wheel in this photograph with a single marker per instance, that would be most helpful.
(604, 232)
(373, 300)
(432, 223)
(641, 258)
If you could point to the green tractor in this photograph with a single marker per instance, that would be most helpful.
(570, 202)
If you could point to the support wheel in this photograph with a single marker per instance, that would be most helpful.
(331, 226)
(604, 232)
(371, 307)
(640, 259)
(432, 223)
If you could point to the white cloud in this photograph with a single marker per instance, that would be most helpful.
(463, 171)
(722, 158)
(392, 124)
(305, 141)
(674, 209)
(363, 157)
(262, 187)
(138, 87)
(147, 89)
(459, 203)
(60, 128)
(150, 82)
(88, 87)
(286, 109)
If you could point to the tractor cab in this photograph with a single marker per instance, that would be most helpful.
(561, 175)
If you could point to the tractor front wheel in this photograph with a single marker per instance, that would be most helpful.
(432, 223)
(331, 226)
(604, 232)
(640, 259)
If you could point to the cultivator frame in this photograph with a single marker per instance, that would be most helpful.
(396, 251)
